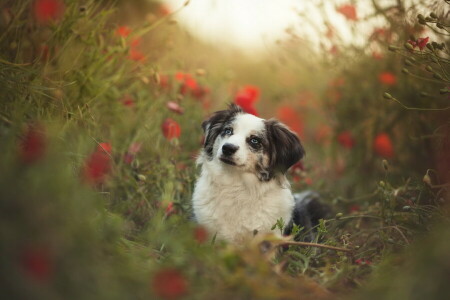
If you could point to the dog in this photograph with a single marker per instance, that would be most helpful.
(242, 189)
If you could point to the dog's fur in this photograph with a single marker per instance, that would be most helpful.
(242, 188)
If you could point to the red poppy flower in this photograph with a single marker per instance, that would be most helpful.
(123, 31)
(200, 92)
(98, 164)
(169, 284)
(377, 55)
(189, 85)
(37, 263)
(291, 118)
(420, 42)
(33, 145)
(171, 129)
(170, 209)
(349, 11)
(135, 42)
(200, 234)
(246, 99)
(127, 100)
(175, 107)
(382, 145)
(346, 139)
(136, 55)
(104, 147)
(361, 261)
(387, 78)
(47, 10)
(179, 76)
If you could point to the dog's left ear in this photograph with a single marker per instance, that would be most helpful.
(285, 148)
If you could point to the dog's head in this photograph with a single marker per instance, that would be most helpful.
(251, 144)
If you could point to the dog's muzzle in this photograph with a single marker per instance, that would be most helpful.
(227, 152)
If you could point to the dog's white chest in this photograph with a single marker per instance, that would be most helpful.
(235, 207)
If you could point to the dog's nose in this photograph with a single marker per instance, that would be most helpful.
(229, 149)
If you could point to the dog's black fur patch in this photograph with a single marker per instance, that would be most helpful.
(283, 147)
(307, 212)
(215, 124)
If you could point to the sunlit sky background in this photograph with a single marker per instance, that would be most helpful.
(252, 25)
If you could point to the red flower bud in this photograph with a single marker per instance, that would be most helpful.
(33, 144)
(169, 284)
(171, 129)
(47, 10)
(346, 139)
(383, 145)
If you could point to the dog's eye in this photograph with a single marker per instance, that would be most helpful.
(254, 141)
(228, 131)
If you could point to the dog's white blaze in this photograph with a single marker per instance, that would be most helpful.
(231, 201)
(243, 126)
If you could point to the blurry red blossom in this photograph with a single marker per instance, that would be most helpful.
(135, 42)
(387, 78)
(98, 164)
(170, 209)
(420, 42)
(104, 147)
(291, 118)
(200, 92)
(200, 234)
(175, 107)
(349, 11)
(297, 168)
(37, 263)
(136, 55)
(361, 261)
(354, 208)
(346, 139)
(33, 144)
(171, 129)
(246, 99)
(169, 284)
(123, 31)
(308, 181)
(127, 100)
(377, 55)
(382, 145)
(47, 10)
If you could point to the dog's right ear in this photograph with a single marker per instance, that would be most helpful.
(215, 124)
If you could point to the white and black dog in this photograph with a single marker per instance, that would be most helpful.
(242, 189)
